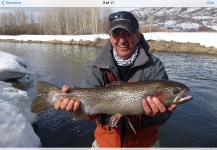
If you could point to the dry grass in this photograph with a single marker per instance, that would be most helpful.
(155, 46)
(172, 46)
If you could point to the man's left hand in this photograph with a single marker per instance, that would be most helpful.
(153, 107)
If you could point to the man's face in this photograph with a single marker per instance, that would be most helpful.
(124, 42)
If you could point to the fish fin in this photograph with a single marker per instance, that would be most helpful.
(39, 104)
(128, 120)
(114, 120)
(45, 87)
(42, 100)
(115, 83)
(80, 113)
(75, 87)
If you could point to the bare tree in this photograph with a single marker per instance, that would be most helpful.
(150, 22)
(11, 24)
(94, 13)
(56, 21)
(104, 19)
(3, 23)
(72, 20)
(21, 21)
(33, 25)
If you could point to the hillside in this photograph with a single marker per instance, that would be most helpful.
(179, 19)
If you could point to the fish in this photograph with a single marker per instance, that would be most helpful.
(120, 98)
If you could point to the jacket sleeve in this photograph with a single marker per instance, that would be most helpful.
(93, 78)
(158, 72)
(159, 120)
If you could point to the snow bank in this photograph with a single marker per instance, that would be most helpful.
(207, 39)
(12, 67)
(16, 119)
(203, 38)
(21, 61)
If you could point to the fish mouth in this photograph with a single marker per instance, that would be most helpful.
(184, 97)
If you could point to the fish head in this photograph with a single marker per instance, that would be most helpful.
(173, 93)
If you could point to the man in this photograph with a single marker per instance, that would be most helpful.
(124, 58)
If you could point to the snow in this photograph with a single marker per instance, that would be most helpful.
(185, 25)
(15, 115)
(203, 38)
(21, 61)
(16, 118)
(213, 27)
(11, 66)
(207, 39)
(54, 37)
(205, 17)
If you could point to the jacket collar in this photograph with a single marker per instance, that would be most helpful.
(105, 59)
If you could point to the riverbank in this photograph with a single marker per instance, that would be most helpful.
(193, 42)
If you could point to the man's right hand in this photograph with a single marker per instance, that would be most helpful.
(68, 104)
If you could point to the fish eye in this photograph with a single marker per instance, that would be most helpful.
(176, 91)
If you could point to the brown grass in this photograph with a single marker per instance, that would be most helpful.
(155, 46)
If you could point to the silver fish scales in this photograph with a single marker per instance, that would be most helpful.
(119, 99)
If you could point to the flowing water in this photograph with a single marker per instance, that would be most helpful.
(193, 124)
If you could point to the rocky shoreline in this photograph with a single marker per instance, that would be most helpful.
(155, 46)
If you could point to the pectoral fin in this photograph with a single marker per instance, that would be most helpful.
(128, 120)
(80, 113)
(115, 83)
(114, 120)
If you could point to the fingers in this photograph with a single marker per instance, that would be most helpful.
(76, 105)
(146, 107)
(65, 103)
(172, 107)
(58, 103)
(152, 106)
(73, 105)
(68, 104)
(66, 89)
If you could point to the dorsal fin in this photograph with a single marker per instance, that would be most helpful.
(115, 83)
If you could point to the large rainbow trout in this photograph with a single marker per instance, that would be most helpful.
(119, 98)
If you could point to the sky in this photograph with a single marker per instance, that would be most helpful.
(38, 10)
(27, 10)
(15, 115)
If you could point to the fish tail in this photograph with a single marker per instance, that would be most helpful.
(45, 91)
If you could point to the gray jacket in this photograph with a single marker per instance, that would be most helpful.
(146, 66)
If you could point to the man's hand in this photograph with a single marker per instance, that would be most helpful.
(68, 104)
(153, 106)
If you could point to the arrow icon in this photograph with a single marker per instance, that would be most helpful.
(3, 2)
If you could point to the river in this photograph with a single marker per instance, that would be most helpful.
(193, 124)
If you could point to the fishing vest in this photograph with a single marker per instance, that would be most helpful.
(123, 135)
